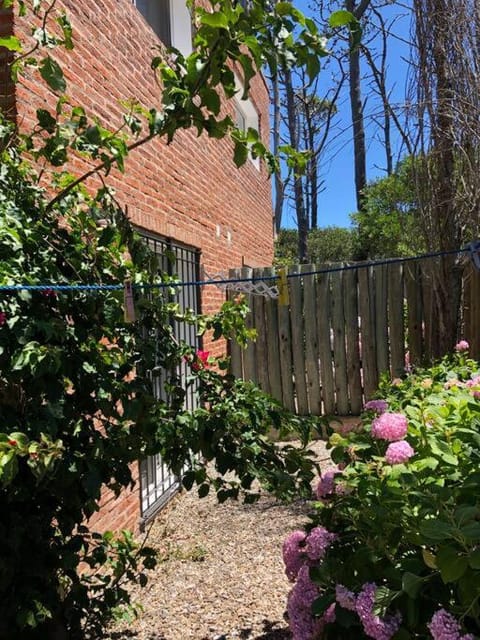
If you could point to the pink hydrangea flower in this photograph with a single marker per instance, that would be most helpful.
(462, 346)
(453, 382)
(326, 484)
(318, 541)
(293, 553)
(473, 382)
(374, 626)
(329, 616)
(390, 426)
(379, 406)
(443, 626)
(345, 598)
(408, 364)
(299, 608)
(398, 452)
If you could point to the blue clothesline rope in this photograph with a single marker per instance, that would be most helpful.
(473, 248)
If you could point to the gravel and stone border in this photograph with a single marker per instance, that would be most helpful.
(221, 576)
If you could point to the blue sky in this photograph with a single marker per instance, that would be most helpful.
(337, 201)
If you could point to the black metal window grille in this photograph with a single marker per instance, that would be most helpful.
(157, 482)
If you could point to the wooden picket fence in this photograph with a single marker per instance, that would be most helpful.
(324, 352)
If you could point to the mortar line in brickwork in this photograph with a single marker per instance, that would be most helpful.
(473, 248)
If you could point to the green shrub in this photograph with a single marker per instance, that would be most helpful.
(78, 407)
(404, 509)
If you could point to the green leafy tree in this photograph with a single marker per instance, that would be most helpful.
(388, 226)
(329, 244)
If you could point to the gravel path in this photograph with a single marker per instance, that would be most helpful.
(222, 575)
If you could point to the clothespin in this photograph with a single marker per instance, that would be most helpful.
(474, 248)
(282, 284)
(128, 305)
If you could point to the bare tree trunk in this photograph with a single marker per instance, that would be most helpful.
(279, 186)
(302, 221)
(356, 105)
(448, 85)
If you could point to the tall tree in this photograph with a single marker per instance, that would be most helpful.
(446, 65)
(302, 220)
(358, 9)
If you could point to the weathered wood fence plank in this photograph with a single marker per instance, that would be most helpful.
(323, 307)
(395, 319)
(286, 362)
(323, 353)
(381, 318)
(339, 351)
(249, 354)
(298, 341)
(474, 313)
(261, 362)
(413, 292)
(311, 342)
(352, 338)
(367, 332)
(273, 343)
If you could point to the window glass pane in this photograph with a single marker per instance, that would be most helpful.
(157, 14)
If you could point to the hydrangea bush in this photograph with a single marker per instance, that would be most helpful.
(397, 524)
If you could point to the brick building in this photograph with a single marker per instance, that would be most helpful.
(188, 195)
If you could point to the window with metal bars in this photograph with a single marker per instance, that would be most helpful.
(157, 483)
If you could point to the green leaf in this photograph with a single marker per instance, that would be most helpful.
(313, 67)
(216, 19)
(341, 18)
(383, 598)
(451, 563)
(474, 559)
(429, 559)
(211, 100)
(465, 513)
(52, 73)
(411, 584)
(471, 531)
(188, 479)
(46, 120)
(203, 490)
(12, 43)
(240, 153)
(283, 8)
(8, 467)
(442, 450)
(436, 529)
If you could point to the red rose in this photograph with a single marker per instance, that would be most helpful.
(201, 360)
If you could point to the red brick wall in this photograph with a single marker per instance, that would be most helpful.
(189, 190)
(7, 95)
